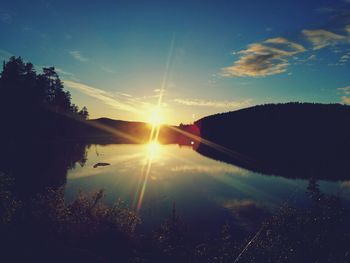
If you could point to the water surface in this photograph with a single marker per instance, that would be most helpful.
(206, 192)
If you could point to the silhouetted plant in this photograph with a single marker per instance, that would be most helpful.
(172, 238)
(86, 223)
(315, 234)
(8, 203)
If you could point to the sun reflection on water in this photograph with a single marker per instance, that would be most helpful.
(153, 150)
(152, 153)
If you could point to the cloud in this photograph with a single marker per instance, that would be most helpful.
(5, 55)
(68, 36)
(345, 91)
(345, 100)
(104, 96)
(264, 59)
(211, 169)
(107, 69)
(347, 28)
(345, 184)
(29, 29)
(215, 103)
(249, 213)
(78, 56)
(66, 73)
(321, 38)
(6, 18)
(344, 58)
(311, 57)
(116, 100)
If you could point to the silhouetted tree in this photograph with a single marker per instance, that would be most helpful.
(27, 99)
(84, 113)
(291, 139)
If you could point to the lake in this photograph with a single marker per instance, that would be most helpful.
(205, 192)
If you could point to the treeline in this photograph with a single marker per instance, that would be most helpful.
(291, 139)
(31, 101)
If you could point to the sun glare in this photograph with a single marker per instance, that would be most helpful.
(155, 118)
(153, 150)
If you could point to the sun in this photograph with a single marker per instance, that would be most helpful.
(155, 117)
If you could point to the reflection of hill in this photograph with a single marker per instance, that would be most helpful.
(293, 139)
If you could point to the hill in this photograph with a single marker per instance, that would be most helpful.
(105, 130)
(292, 139)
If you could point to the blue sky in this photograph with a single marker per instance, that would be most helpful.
(215, 56)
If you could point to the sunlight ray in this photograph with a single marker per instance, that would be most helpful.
(216, 146)
(153, 138)
(102, 127)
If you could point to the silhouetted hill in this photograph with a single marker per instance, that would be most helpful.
(105, 130)
(109, 130)
(292, 139)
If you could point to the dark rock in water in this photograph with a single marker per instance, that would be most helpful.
(101, 164)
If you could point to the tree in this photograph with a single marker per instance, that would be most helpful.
(84, 113)
(27, 99)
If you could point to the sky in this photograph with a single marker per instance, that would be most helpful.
(203, 57)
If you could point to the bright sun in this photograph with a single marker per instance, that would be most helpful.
(155, 118)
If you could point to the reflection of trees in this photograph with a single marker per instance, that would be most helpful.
(313, 190)
(35, 165)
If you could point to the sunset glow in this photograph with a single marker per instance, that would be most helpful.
(155, 118)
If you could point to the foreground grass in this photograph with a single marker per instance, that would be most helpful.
(44, 228)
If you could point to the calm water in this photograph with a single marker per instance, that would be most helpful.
(205, 192)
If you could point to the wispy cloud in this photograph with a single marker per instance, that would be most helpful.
(4, 55)
(107, 69)
(344, 58)
(345, 98)
(215, 103)
(76, 54)
(117, 100)
(345, 90)
(248, 213)
(321, 38)
(212, 169)
(345, 184)
(264, 59)
(107, 98)
(66, 73)
(6, 18)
